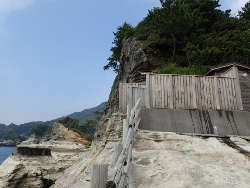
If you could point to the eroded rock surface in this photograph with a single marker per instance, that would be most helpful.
(164, 159)
(180, 161)
(134, 60)
(39, 164)
(160, 159)
(108, 135)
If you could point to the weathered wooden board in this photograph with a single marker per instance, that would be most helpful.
(193, 92)
(183, 92)
(129, 93)
(99, 176)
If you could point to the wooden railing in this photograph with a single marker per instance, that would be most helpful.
(122, 159)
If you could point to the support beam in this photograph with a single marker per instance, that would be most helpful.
(99, 176)
(118, 150)
(147, 92)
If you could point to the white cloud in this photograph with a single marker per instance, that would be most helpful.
(234, 5)
(154, 2)
(7, 6)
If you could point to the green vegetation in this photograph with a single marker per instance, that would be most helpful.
(123, 32)
(189, 33)
(245, 13)
(41, 129)
(17, 132)
(69, 122)
(86, 129)
(174, 69)
(89, 114)
(86, 124)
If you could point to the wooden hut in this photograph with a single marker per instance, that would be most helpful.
(240, 72)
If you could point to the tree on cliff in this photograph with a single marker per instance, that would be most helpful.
(190, 33)
(245, 13)
(123, 32)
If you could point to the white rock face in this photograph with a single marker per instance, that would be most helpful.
(171, 160)
(177, 161)
(32, 170)
(79, 174)
(160, 160)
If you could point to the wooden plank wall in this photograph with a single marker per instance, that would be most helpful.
(129, 93)
(193, 92)
(182, 92)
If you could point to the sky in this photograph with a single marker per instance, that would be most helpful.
(52, 53)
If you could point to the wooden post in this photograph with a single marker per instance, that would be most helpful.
(137, 124)
(147, 91)
(130, 96)
(131, 176)
(124, 159)
(118, 150)
(120, 98)
(216, 94)
(128, 111)
(99, 176)
(129, 160)
(125, 131)
(172, 95)
(194, 92)
(122, 181)
(237, 87)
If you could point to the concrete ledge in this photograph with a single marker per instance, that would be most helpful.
(212, 122)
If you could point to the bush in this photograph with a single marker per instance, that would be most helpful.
(174, 69)
(41, 130)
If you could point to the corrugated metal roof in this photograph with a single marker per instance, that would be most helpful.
(226, 66)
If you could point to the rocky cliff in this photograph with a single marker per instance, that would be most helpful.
(38, 163)
(162, 159)
(134, 61)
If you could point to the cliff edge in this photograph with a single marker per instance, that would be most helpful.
(39, 162)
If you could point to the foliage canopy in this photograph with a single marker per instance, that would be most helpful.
(123, 32)
(189, 33)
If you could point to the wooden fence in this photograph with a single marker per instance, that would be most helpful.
(129, 93)
(183, 92)
(122, 159)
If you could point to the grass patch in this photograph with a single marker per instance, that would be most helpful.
(174, 69)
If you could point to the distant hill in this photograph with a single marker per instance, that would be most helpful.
(22, 131)
(88, 114)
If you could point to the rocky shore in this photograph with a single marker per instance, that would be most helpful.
(37, 164)
(9, 143)
(160, 159)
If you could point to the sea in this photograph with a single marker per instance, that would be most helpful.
(5, 152)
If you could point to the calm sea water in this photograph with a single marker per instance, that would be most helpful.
(5, 152)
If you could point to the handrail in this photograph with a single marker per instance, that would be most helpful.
(123, 164)
(122, 156)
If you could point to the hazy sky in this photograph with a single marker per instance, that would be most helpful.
(52, 53)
